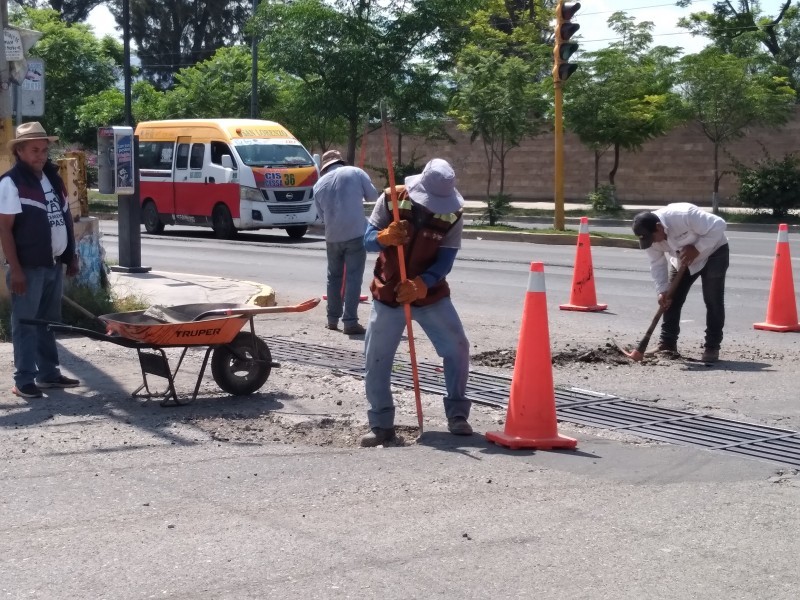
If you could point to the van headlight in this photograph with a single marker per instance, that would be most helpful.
(250, 194)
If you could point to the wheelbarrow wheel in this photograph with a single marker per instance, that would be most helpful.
(239, 368)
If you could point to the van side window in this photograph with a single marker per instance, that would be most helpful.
(156, 155)
(218, 150)
(198, 152)
(182, 159)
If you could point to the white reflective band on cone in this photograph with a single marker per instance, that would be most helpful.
(536, 282)
(584, 227)
(783, 236)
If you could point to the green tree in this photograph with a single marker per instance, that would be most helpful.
(174, 34)
(621, 96)
(71, 11)
(218, 87)
(500, 81)
(350, 52)
(725, 97)
(108, 107)
(741, 28)
(78, 66)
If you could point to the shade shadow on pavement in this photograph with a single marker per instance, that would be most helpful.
(113, 402)
(446, 442)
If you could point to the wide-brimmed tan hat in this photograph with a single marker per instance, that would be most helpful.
(331, 157)
(435, 188)
(30, 131)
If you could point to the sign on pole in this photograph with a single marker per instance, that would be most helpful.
(31, 99)
(14, 48)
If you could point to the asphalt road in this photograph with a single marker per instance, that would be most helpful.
(488, 280)
(106, 497)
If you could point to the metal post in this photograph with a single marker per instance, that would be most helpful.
(126, 59)
(6, 105)
(558, 130)
(254, 71)
(129, 214)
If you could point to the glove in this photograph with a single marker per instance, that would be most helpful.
(410, 290)
(396, 234)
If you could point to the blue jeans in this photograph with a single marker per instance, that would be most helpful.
(351, 256)
(712, 277)
(35, 352)
(443, 327)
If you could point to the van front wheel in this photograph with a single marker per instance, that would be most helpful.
(152, 222)
(222, 223)
(297, 231)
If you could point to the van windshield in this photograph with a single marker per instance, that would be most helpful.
(266, 153)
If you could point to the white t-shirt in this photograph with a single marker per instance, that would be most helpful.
(10, 204)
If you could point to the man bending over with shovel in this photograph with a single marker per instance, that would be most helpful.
(682, 234)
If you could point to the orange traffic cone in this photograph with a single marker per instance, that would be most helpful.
(531, 417)
(583, 297)
(782, 307)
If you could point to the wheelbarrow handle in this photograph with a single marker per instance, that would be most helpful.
(90, 333)
(257, 310)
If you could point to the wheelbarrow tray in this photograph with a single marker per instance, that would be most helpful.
(190, 324)
(240, 362)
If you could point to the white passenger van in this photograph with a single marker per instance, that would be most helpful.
(229, 174)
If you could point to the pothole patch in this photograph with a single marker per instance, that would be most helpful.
(290, 429)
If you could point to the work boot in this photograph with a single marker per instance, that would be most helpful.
(333, 325)
(459, 426)
(710, 355)
(61, 382)
(354, 329)
(668, 349)
(378, 436)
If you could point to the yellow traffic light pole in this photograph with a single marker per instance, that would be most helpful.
(558, 132)
(562, 50)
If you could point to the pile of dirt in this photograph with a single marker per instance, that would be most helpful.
(292, 429)
(608, 354)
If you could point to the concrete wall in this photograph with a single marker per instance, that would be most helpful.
(676, 167)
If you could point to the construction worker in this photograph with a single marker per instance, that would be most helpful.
(682, 234)
(430, 233)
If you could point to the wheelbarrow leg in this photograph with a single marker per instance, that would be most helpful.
(202, 371)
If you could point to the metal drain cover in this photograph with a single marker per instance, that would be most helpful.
(575, 405)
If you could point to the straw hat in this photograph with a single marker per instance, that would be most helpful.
(30, 131)
(329, 158)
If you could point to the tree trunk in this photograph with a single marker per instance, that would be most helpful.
(502, 159)
(352, 138)
(399, 147)
(596, 169)
(717, 178)
(613, 172)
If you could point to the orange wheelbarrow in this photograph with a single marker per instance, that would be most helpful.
(240, 361)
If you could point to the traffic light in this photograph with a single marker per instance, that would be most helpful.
(563, 48)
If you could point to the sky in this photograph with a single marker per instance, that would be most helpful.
(592, 17)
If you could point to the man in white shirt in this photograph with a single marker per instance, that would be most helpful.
(682, 234)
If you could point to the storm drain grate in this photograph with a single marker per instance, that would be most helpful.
(575, 405)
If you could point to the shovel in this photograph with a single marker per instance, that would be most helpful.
(638, 353)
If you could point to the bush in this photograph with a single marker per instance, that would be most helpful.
(604, 200)
(770, 184)
(100, 302)
(497, 208)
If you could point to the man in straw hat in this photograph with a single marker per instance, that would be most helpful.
(430, 231)
(339, 196)
(37, 240)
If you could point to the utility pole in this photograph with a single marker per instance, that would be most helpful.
(254, 71)
(6, 101)
(562, 69)
(126, 59)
